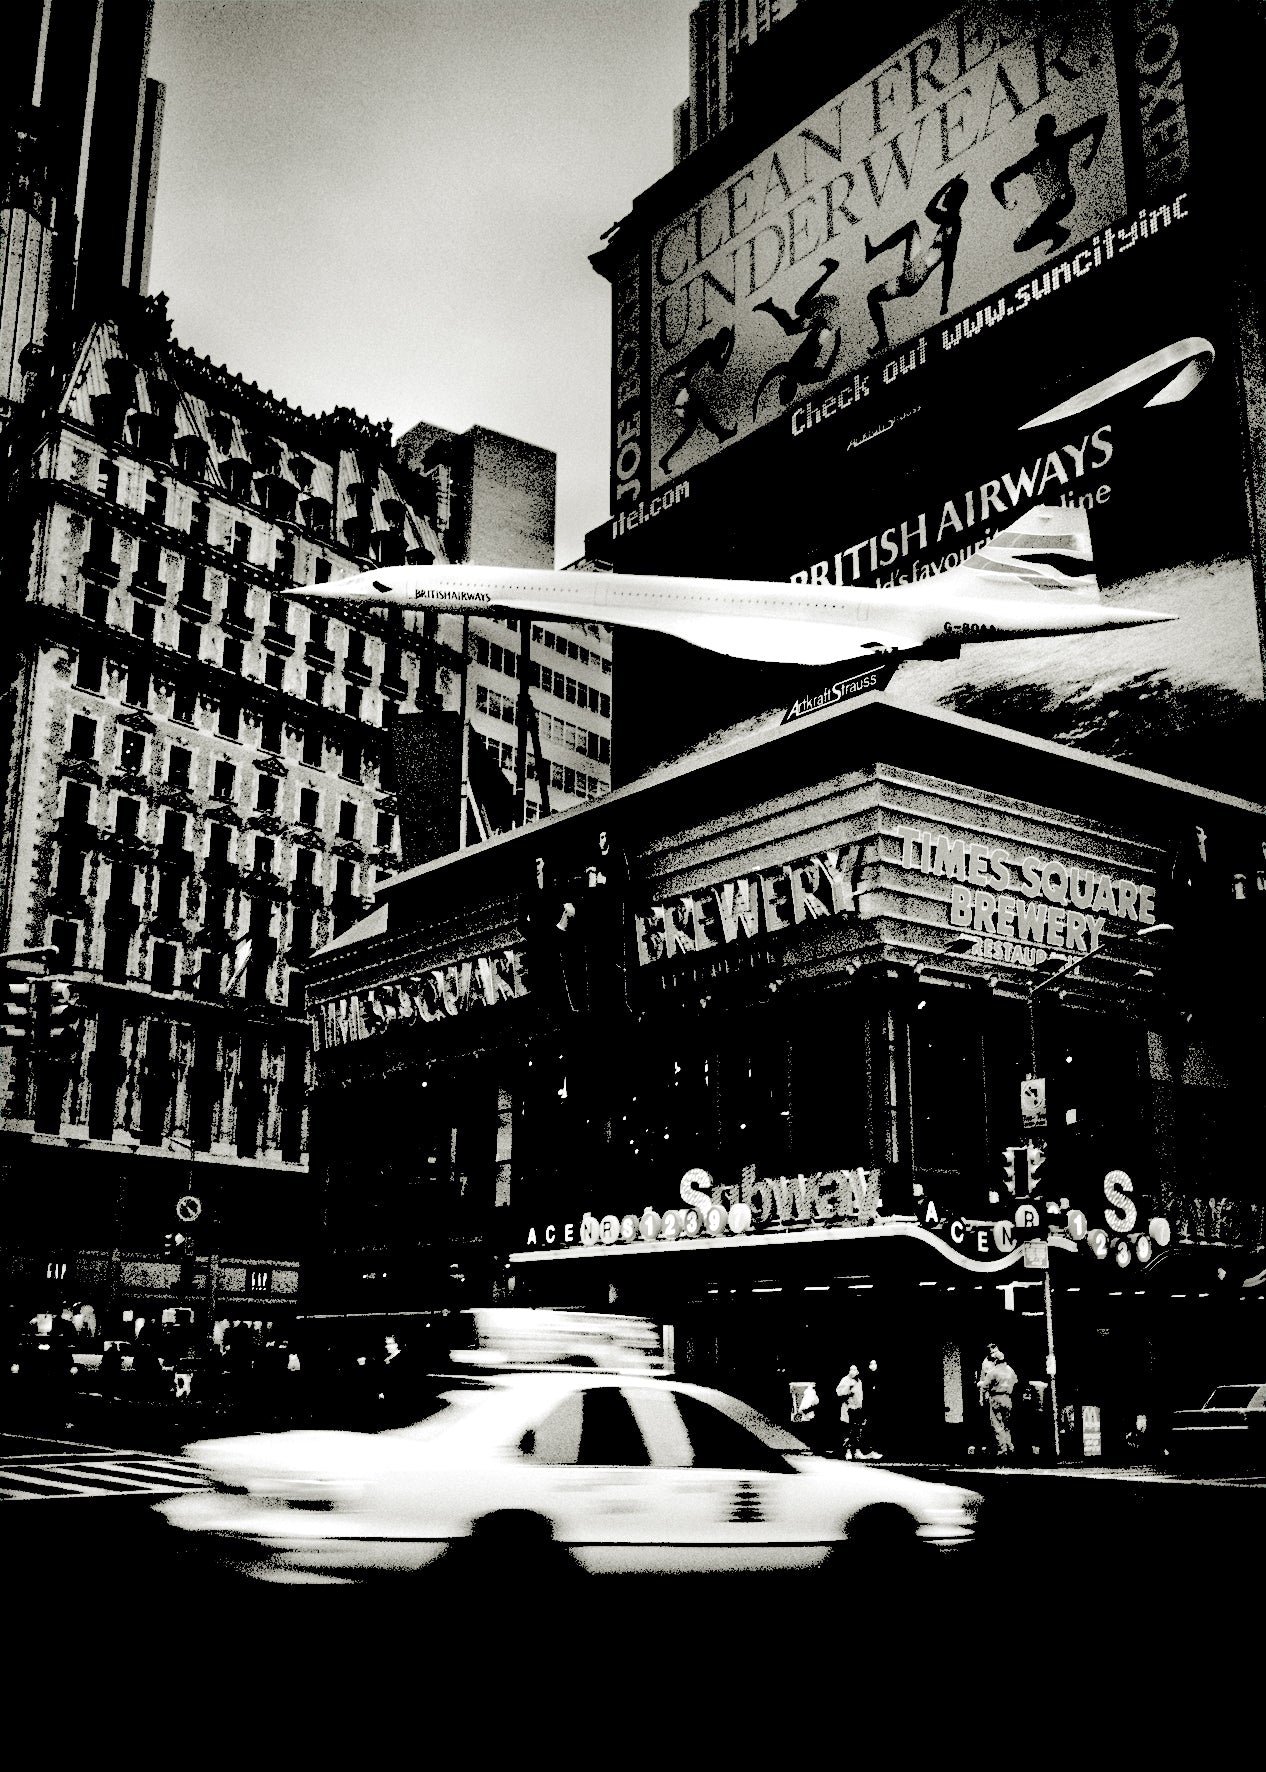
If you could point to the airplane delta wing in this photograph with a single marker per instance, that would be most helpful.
(1033, 578)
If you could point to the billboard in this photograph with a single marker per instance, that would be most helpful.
(968, 157)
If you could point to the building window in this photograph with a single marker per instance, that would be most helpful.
(266, 793)
(199, 519)
(178, 761)
(265, 849)
(83, 737)
(241, 541)
(225, 780)
(194, 583)
(322, 572)
(143, 621)
(315, 689)
(115, 957)
(347, 818)
(64, 936)
(156, 501)
(218, 843)
(149, 557)
(275, 672)
(386, 829)
(88, 669)
(234, 656)
(132, 751)
(279, 614)
(351, 762)
(352, 702)
(284, 560)
(270, 733)
(108, 480)
(190, 639)
(318, 630)
(308, 806)
(356, 649)
(175, 826)
(229, 723)
(70, 871)
(313, 750)
(136, 693)
(127, 814)
(305, 867)
(77, 806)
(235, 604)
(184, 704)
(169, 894)
(162, 965)
(210, 973)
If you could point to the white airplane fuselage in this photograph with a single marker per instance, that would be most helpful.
(752, 619)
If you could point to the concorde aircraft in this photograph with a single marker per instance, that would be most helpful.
(1034, 577)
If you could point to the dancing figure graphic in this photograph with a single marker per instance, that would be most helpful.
(691, 401)
(1049, 164)
(919, 257)
(817, 315)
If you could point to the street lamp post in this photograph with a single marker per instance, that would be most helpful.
(1041, 985)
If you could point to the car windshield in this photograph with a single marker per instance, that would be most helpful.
(1233, 1396)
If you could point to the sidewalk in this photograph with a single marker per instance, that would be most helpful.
(1086, 1468)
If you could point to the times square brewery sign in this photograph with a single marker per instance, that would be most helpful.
(1016, 906)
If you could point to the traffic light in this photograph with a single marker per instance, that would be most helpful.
(16, 1019)
(173, 1244)
(1021, 1165)
(56, 1013)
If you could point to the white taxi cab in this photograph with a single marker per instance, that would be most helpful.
(594, 1471)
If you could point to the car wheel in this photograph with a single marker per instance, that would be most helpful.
(510, 1546)
(881, 1539)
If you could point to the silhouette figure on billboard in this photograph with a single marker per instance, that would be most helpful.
(920, 258)
(691, 401)
(818, 316)
(1049, 165)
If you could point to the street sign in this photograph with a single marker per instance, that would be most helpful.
(1027, 1216)
(1078, 1224)
(1033, 1103)
(1004, 1236)
(1097, 1241)
(1036, 1255)
(188, 1208)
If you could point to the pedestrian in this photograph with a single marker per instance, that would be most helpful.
(995, 1387)
(852, 1412)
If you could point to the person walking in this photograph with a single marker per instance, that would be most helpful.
(995, 1387)
(852, 1412)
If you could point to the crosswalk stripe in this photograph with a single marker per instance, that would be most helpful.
(60, 1479)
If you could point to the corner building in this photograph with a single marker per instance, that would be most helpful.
(791, 987)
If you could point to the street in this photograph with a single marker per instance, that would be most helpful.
(1101, 1584)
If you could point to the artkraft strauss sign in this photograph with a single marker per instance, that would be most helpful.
(836, 1196)
(437, 995)
(1017, 906)
(738, 911)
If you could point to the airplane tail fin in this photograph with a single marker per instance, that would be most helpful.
(1044, 552)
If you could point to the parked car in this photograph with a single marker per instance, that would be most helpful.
(564, 1469)
(1229, 1427)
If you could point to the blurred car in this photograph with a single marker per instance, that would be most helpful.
(600, 1472)
(1231, 1424)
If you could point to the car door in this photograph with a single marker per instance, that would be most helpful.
(723, 1499)
(590, 1473)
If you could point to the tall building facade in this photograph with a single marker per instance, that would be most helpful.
(196, 793)
(720, 31)
(493, 497)
(78, 167)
